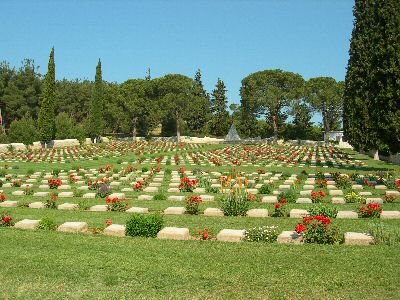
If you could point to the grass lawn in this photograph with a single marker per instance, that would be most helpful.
(50, 265)
(53, 265)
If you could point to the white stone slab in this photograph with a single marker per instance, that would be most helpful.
(27, 224)
(213, 212)
(346, 214)
(231, 235)
(357, 238)
(41, 194)
(99, 207)
(151, 189)
(257, 213)
(9, 203)
(120, 196)
(303, 200)
(115, 230)
(206, 198)
(176, 198)
(73, 227)
(175, 210)
(89, 195)
(298, 213)
(37, 205)
(68, 206)
(289, 237)
(17, 193)
(390, 214)
(173, 190)
(138, 210)
(336, 192)
(269, 199)
(338, 200)
(374, 200)
(173, 233)
(66, 195)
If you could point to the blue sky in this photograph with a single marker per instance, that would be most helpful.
(226, 39)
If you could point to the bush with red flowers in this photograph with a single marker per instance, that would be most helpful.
(6, 219)
(54, 183)
(390, 198)
(139, 186)
(279, 209)
(192, 204)
(318, 230)
(316, 197)
(52, 202)
(16, 183)
(372, 210)
(321, 183)
(203, 234)
(116, 204)
(109, 222)
(187, 185)
(2, 197)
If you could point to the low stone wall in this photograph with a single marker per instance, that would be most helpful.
(64, 143)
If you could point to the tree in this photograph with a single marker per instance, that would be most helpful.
(46, 126)
(219, 123)
(23, 131)
(64, 126)
(269, 92)
(96, 123)
(326, 97)
(175, 92)
(372, 86)
(198, 109)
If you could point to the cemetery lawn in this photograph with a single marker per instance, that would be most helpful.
(50, 265)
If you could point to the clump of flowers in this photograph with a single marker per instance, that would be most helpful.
(390, 198)
(318, 230)
(6, 219)
(321, 183)
(2, 197)
(104, 190)
(54, 183)
(139, 186)
(52, 202)
(187, 185)
(28, 191)
(372, 210)
(192, 204)
(317, 197)
(342, 181)
(279, 209)
(109, 222)
(93, 186)
(354, 197)
(16, 183)
(116, 204)
(266, 234)
(203, 234)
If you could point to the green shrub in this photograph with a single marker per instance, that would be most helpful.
(267, 234)
(23, 131)
(160, 196)
(384, 235)
(144, 225)
(145, 169)
(46, 223)
(104, 190)
(323, 210)
(289, 195)
(354, 197)
(168, 171)
(84, 204)
(234, 204)
(266, 189)
(64, 126)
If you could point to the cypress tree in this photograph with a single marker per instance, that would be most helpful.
(96, 106)
(372, 89)
(46, 118)
(219, 124)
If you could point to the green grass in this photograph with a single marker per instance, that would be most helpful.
(53, 265)
(49, 265)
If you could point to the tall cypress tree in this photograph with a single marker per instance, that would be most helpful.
(372, 89)
(46, 118)
(96, 106)
(219, 124)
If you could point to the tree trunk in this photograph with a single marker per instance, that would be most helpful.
(134, 121)
(375, 153)
(178, 130)
(326, 127)
(275, 125)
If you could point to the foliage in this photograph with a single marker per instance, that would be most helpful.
(279, 209)
(187, 185)
(192, 205)
(52, 202)
(372, 210)
(267, 234)
(289, 196)
(46, 126)
(103, 190)
(6, 219)
(323, 210)
(318, 230)
(343, 181)
(65, 128)
(96, 123)
(383, 235)
(235, 203)
(266, 189)
(219, 122)
(23, 131)
(317, 197)
(46, 223)
(354, 197)
(144, 225)
(116, 204)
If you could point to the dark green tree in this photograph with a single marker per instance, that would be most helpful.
(372, 85)
(219, 122)
(96, 123)
(325, 95)
(269, 92)
(46, 120)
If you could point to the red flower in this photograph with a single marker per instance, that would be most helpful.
(283, 201)
(251, 197)
(322, 193)
(301, 228)
(108, 222)
(277, 206)
(3, 197)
